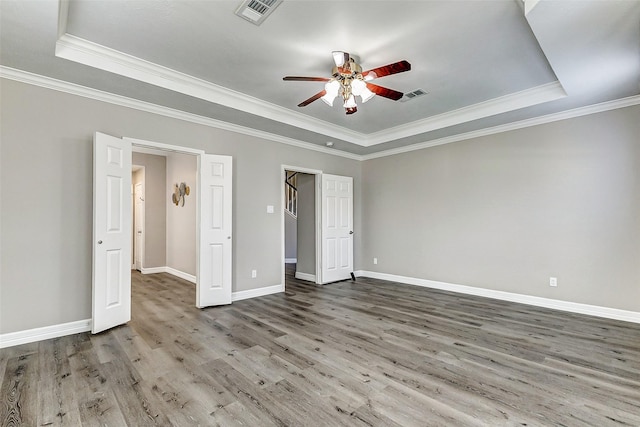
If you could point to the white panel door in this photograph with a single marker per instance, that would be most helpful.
(111, 232)
(336, 196)
(215, 243)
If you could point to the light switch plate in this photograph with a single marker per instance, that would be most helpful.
(269, 208)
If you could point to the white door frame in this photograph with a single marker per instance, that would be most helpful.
(134, 222)
(317, 173)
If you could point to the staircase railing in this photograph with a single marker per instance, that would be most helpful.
(291, 194)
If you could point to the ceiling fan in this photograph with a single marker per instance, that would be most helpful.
(350, 81)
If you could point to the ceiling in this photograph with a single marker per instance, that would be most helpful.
(485, 65)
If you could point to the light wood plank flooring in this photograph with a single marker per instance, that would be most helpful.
(369, 353)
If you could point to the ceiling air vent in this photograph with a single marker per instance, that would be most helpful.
(256, 11)
(413, 95)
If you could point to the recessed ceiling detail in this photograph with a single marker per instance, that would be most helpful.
(485, 65)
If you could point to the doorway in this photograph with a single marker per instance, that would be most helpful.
(113, 231)
(300, 223)
(164, 220)
(333, 226)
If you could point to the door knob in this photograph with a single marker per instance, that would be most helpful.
(99, 242)
(351, 232)
(139, 232)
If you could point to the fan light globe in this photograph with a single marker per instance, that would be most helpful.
(366, 94)
(331, 89)
(350, 102)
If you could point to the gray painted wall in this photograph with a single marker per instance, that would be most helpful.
(290, 236)
(155, 212)
(306, 224)
(510, 210)
(501, 212)
(49, 283)
(181, 220)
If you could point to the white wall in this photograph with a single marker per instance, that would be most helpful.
(46, 152)
(181, 220)
(508, 211)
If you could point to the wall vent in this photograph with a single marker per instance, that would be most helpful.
(256, 11)
(413, 95)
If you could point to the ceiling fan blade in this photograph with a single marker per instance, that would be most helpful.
(306, 79)
(386, 70)
(313, 98)
(385, 92)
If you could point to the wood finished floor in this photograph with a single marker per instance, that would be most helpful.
(370, 353)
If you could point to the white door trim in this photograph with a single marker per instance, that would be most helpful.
(135, 224)
(141, 144)
(317, 173)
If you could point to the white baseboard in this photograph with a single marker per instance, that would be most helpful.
(253, 293)
(306, 276)
(573, 307)
(291, 260)
(44, 333)
(153, 270)
(181, 274)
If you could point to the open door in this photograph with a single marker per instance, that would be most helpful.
(111, 270)
(214, 262)
(336, 197)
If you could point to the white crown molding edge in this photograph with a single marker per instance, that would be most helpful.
(514, 101)
(123, 101)
(44, 333)
(306, 276)
(101, 57)
(549, 118)
(98, 95)
(259, 292)
(572, 307)
(98, 56)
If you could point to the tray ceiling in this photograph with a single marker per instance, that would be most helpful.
(482, 64)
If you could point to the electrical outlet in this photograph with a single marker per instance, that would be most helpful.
(254, 274)
(553, 281)
(375, 260)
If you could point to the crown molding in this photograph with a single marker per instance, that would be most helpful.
(98, 56)
(123, 101)
(95, 55)
(514, 101)
(549, 118)
(86, 92)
